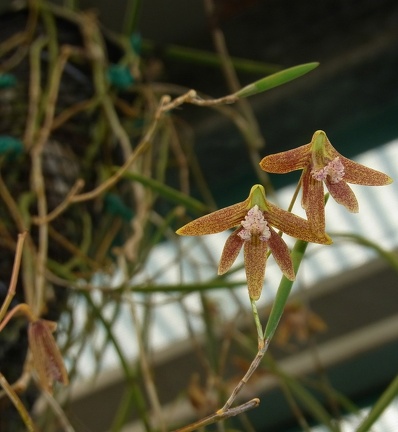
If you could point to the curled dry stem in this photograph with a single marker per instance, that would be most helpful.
(14, 276)
(76, 188)
(14, 398)
(221, 415)
(226, 411)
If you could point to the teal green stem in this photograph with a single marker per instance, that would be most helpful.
(283, 292)
(385, 399)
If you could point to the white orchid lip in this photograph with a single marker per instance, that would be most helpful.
(334, 170)
(254, 226)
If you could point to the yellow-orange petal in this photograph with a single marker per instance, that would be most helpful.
(218, 221)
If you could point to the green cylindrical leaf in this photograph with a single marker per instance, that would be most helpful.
(283, 292)
(276, 79)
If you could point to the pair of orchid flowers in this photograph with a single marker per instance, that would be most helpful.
(256, 217)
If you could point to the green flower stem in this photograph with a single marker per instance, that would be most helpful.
(386, 398)
(295, 195)
(258, 323)
(283, 292)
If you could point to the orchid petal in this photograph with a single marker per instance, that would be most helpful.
(220, 220)
(313, 202)
(290, 160)
(344, 195)
(356, 173)
(295, 226)
(255, 255)
(47, 358)
(281, 254)
(231, 250)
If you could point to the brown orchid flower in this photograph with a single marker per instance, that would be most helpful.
(256, 219)
(322, 163)
(47, 358)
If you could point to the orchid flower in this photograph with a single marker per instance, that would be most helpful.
(46, 356)
(322, 163)
(255, 219)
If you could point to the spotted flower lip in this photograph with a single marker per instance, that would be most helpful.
(255, 220)
(322, 163)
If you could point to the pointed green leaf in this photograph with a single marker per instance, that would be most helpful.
(276, 79)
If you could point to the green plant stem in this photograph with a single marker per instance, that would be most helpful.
(301, 394)
(206, 58)
(32, 121)
(385, 399)
(191, 204)
(131, 17)
(218, 283)
(390, 257)
(130, 375)
(146, 372)
(211, 340)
